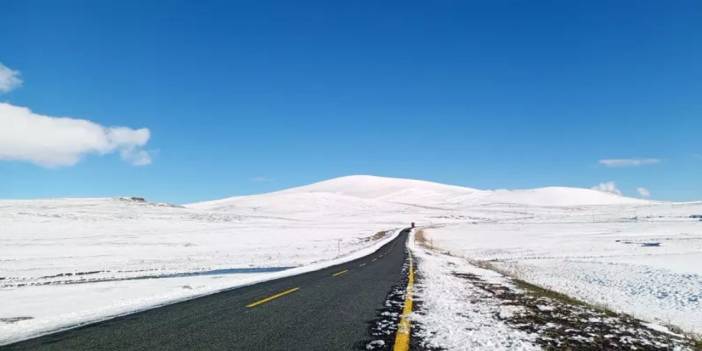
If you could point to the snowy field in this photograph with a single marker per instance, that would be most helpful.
(467, 307)
(644, 260)
(70, 261)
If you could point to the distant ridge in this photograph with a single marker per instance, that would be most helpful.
(371, 191)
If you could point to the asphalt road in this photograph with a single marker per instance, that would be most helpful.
(329, 309)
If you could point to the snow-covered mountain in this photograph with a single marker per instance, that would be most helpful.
(367, 191)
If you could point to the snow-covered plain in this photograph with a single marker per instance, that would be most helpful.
(468, 307)
(644, 260)
(67, 261)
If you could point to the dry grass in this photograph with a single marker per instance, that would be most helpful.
(420, 237)
(377, 236)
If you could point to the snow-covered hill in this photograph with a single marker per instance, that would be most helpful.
(384, 188)
(557, 196)
(342, 194)
(370, 191)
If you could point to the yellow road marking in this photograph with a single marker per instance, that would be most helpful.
(273, 297)
(402, 338)
(340, 273)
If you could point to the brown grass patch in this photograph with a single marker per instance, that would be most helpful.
(377, 236)
(420, 237)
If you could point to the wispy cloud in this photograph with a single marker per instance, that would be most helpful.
(608, 187)
(62, 141)
(9, 79)
(629, 162)
(643, 192)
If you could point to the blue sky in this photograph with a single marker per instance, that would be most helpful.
(243, 97)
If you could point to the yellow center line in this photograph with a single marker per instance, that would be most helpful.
(340, 273)
(402, 338)
(273, 297)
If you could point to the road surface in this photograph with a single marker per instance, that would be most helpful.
(329, 309)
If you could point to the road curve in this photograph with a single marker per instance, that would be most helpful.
(329, 309)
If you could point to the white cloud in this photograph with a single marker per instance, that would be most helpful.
(643, 192)
(609, 187)
(136, 156)
(629, 162)
(61, 141)
(9, 79)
